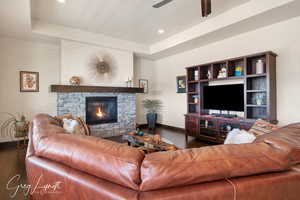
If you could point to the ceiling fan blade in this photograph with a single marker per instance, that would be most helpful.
(206, 7)
(161, 3)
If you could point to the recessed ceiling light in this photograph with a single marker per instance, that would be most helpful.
(161, 31)
(61, 1)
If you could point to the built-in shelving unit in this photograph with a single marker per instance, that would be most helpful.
(259, 90)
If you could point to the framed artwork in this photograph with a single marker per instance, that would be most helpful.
(29, 81)
(143, 83)
(181, 84)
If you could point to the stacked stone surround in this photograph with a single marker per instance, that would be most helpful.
(74, 103)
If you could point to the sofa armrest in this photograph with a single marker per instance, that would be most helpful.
(289, 136)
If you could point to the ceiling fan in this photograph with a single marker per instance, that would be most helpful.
(205, 5)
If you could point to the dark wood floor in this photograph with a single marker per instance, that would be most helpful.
(12, 161)
(12, 164)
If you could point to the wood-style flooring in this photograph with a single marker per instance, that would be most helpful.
(12, 161)
(11, 164)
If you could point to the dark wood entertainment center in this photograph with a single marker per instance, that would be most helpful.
(259, 95)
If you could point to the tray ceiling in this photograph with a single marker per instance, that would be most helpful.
(133, 20)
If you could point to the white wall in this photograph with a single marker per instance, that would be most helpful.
(144, 69)
(78, 59)
(18, 55)
(282, 38)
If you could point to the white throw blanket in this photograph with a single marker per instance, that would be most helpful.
(237, 136)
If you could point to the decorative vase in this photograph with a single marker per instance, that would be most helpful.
(75, 81)
(151, 120)
(259, 102)
(196, 75)
(21, 129)
(209, 74)
(260, 67)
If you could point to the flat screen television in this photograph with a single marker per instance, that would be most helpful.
(224, 97)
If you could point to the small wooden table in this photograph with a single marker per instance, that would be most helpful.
(148, 144)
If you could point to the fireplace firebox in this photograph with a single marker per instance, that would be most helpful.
(101, 110)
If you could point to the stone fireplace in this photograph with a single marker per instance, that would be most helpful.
(121, 108)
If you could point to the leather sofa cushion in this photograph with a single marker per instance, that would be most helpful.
(289, 136)
(185, 167)
(105, 159)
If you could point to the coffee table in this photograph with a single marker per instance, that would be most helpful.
(148, 144)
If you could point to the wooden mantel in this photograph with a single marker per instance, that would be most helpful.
(94, 89)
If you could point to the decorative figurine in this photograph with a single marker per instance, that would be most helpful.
(222, 73)
(196, 99)
(238, 71)
(75, 81)
(209, 74)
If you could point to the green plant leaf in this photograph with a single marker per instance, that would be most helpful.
(152, 105)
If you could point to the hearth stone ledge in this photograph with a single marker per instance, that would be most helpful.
(74, 103)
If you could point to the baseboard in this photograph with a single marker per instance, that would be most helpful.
(171, 127)
(141, 126)
(11, 143)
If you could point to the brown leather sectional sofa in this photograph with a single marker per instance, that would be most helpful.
(65, 167)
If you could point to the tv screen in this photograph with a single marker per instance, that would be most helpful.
(224, 97)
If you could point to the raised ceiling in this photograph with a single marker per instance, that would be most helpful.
(132, 20)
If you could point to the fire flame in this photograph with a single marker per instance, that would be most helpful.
(99, 113)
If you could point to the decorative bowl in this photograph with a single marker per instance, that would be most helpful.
(75, 81)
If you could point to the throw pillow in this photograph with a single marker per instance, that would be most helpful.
(237, 136)
(84, 128)
(59, 119)
(72, 126)
(262, 127)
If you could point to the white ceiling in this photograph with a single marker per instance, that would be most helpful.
(136, 32)
(132, 20)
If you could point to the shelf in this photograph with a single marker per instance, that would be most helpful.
(209, 138)
(236, 77)
(259, 106)
(209, 129)
(193, 103)
(193, 81)
(256, 91)
(222, 79)
(204, 80)
(192, 92)
(228, 78)
(256, 75)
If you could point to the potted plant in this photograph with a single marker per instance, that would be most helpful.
(152, 107)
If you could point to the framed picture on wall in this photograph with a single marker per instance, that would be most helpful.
(29, 81)
(181, 84)
(143, 83)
